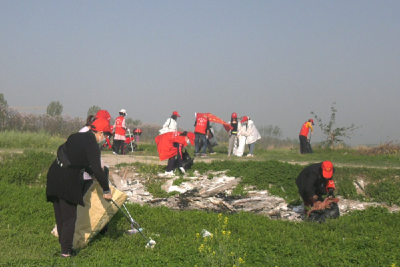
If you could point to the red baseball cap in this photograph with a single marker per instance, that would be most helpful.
(101, 125)
(244, 119)
(327, 169)
(234, 115)
(191, 137)
(103, 114)
(175, 113)
(312, 121)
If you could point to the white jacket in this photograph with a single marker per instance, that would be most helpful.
(251, 133)
(169, 126)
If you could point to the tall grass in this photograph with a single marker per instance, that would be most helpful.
(25, 140)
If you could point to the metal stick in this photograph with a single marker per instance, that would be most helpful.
(132, 222)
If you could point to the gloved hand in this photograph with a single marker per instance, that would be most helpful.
(311, 133)
(314, 199)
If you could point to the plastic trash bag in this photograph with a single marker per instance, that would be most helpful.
(330, 212)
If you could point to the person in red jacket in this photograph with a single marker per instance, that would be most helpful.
(314, 181)
(120, 131)
(303, 136)
(201, 130)
(170, 144)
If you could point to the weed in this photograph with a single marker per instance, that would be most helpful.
(218, 248)
(239, 191)
(178, 182)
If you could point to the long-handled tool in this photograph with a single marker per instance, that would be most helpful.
(135, 228)
(309, 148)
(150, 242)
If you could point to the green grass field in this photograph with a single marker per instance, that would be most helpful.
(362, 238)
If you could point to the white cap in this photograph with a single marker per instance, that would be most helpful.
(123, 111)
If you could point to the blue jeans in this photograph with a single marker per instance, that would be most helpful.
(197, 138)
(251, 147)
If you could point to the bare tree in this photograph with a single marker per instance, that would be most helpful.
(334, 135)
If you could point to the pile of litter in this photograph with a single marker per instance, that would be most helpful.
(199, 192)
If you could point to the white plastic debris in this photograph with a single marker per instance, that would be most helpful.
(54, 231)
(151, 244)
(205, 233)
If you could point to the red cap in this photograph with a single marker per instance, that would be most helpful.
(191, 137)
(101, 125)
(103, 114)
(234, 115)
(312, 121)
(327, 169)
(175, 113)
(244, 119)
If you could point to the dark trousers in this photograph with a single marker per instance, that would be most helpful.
(198, 137)
(303, 144)
(171, 161)
(210, 149)
(65, 213)
(119, 146)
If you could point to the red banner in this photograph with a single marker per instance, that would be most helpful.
(213, 118)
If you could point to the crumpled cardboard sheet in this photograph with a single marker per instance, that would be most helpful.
(96, 213)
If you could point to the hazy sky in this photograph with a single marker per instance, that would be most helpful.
(275, 61)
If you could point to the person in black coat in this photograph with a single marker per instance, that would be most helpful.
(314, 181)
(65, 185)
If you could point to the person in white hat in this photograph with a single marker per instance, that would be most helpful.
(120, 130)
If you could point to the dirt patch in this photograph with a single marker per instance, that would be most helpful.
(112, 160)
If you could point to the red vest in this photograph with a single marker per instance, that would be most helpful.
(201, 125)
(304, 129)
(118, 126)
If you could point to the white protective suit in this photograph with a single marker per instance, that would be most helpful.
(169, 126)
(240, 142)
(251, 133)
